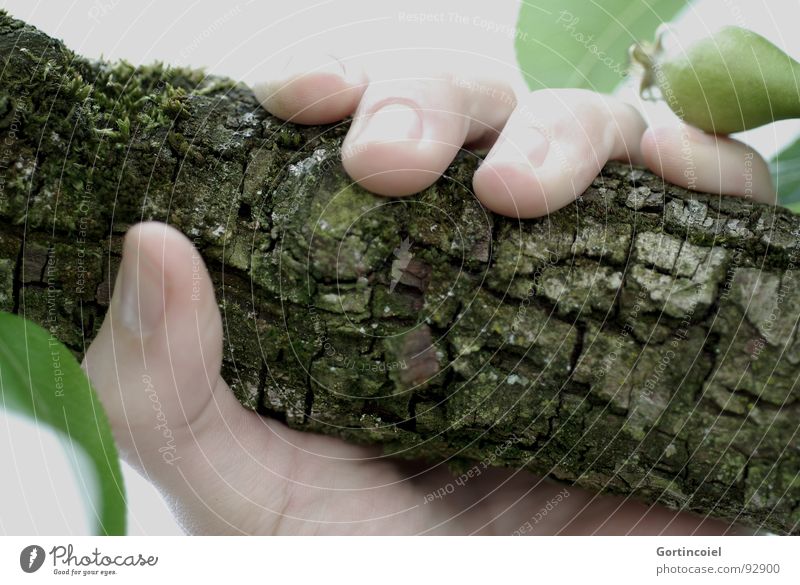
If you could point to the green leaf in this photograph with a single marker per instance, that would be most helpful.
(785, 168)
(584, 43)
(40, 378)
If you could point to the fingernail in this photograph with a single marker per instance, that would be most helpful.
(393, 121)
(529, 148)
(141, 291)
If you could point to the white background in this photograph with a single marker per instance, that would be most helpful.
(252, 41)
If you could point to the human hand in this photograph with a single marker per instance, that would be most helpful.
(223, 469)
(547, 146)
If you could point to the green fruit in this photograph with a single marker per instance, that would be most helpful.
(732, 81)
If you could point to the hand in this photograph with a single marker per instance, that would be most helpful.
(223, 469)
(546, 147)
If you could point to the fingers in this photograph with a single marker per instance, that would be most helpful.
(406, 132)
(688, 157)
(553, 146)
(156, 365)
(313, 90)
(156, 359)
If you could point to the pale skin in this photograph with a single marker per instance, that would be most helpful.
(234, 472)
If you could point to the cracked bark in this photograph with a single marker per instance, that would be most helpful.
(641, 341)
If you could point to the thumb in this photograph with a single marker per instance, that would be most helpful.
(156, 359)
(156, 366)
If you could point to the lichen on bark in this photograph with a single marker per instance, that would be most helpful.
(642, 341)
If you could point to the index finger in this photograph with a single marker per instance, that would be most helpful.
(317, 89)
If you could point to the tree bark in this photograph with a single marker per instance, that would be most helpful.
(641, 341)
